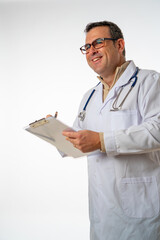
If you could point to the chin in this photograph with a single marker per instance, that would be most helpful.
(98, 71)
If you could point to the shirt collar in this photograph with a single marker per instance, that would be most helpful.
(119, 71)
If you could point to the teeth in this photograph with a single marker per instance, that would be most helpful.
(95, 59)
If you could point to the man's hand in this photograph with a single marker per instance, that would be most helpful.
(84, 140)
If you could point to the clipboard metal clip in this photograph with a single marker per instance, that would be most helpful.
(38, 123)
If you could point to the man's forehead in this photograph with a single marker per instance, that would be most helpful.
(97, 32)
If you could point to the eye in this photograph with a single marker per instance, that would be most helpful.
(99, 41)
(87, 46)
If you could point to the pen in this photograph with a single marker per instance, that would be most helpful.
(56, 114)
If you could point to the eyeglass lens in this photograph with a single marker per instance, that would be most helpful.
(98, 43)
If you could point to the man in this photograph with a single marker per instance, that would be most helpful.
(119, 125)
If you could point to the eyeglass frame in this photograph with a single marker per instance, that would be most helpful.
(92, 44)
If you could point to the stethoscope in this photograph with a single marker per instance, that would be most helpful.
(114, 107)
(82, 114)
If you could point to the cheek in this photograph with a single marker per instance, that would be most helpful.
(88, 61)
(87, 58)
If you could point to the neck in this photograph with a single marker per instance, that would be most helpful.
(111, 76)
(109, 79)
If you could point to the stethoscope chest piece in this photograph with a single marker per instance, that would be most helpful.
(82, 115)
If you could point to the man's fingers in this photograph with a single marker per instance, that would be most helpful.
(70, 134)
(49, 115)
(72, 137)
(73, 141)
(84, 140)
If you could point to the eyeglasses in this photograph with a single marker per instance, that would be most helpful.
(98, 43)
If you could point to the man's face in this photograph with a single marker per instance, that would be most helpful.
(104, 60)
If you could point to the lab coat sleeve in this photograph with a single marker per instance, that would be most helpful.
(145, 137)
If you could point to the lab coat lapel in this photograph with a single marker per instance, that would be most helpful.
(121, 81)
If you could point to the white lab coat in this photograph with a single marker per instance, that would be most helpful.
(124, 182)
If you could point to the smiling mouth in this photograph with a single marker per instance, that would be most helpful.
(96, 59)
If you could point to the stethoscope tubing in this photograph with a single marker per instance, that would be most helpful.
(89, 98)
(114, 108)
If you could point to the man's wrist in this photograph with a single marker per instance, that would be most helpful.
(101, 136)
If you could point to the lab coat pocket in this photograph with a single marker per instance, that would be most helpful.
(123, 119)
(139, 197)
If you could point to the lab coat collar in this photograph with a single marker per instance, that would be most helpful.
(129, 71)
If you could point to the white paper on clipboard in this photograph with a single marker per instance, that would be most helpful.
(50, 129)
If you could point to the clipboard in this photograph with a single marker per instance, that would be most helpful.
(50, 129)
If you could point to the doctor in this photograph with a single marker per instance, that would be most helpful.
(119, 124)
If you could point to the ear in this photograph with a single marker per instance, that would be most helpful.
(120, 45)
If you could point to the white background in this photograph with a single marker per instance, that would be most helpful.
(43, 196)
